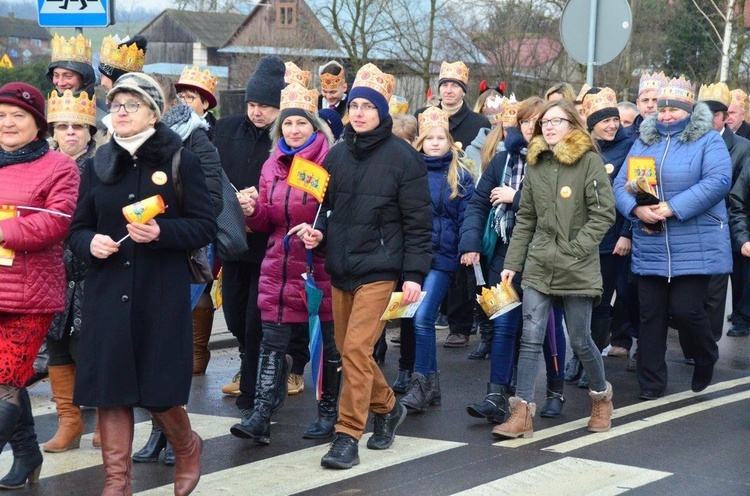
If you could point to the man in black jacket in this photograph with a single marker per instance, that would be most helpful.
(737, 113)
(244, 145)
(376, 222)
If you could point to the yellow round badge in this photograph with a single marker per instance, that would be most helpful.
(159, 178)
(565, 192)
(609, 168)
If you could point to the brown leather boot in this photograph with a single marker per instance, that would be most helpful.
(62, 378)
(96, 440)
(519, 424)
(601, 410)
(203, 321)
(187, 445)
(116, 426)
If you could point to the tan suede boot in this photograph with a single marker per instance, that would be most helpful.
(62, 378)
(601, 410)
(203, 321)
(519, 424)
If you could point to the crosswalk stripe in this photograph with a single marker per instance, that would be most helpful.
(300, 470)
(208, 426)
(620, 412)
(570, 476)
(661, 418)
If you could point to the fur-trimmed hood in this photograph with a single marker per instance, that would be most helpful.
(697, 124)
(568, 151)
(111, 160)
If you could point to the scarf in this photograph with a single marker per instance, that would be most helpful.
(133, 143)
(182, 120)
(28, 153)
(451, 110)
(289, 151)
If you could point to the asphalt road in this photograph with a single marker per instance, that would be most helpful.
(684, 443)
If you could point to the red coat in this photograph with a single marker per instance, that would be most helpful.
(35, 282)
(279, 208)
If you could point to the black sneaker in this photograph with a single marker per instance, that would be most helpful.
(702, 376)
(344, 453)
(384, 428)
(738, 331)
(650, 394)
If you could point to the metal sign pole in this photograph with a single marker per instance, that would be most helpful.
(592, 43)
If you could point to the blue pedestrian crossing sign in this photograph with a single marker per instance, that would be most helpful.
(76, 13)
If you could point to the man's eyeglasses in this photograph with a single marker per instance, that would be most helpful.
(130, 107)
(365, 107)
(186, 98)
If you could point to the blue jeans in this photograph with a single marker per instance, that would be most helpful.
(436, 284)
(536, 307)
(196, 290)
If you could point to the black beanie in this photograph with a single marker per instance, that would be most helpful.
(458, 82)
(265, 84)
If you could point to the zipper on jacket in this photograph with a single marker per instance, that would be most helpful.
(273, 187)
(716, 219)
(596, 193)
(666, 230)
(286, 256)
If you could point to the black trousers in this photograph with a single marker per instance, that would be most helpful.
(408, 345)
(240, 293)
(626, 312)
(611, 268)
(740, 297)
(461, 301)
(683, 299)
(276, 337)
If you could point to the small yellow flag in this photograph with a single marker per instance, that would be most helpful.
(642, 167)
(309, 177)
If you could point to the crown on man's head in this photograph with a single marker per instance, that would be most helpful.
(75, 49)
(128, 58)
(369, 76)
(718, 92)
(455, 70)
(652, 81)
(69, 108)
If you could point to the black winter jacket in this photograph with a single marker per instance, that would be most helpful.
(376, 218)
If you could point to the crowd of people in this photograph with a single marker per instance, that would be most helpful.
(611, 221)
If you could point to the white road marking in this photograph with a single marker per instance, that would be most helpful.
(619, 412)
(300, 470)
(570, 476)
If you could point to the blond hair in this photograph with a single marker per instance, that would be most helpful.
(489, 148)
(457, 163)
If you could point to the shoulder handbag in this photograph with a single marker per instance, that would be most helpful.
(200, 269)
(489, 237)
(231, 240)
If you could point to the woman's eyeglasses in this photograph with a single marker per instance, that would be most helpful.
(63, 126)
(186, 98)
(130, 107)
(554, 122)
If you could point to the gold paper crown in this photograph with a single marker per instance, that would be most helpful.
(493, 109)
(718, 92)
(75, 49)
(581, 94)
(677, 89)
(193, 76)
(739, 98)
(128, 58)
(297, 96)
(455, 70)
(652, 81)
(594, 102)
(68, 108)
(398, 105)
(497, 300)
(431, 118)
(510, 110)
(369, 76)
(294, 74)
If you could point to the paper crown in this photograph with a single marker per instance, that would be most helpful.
(331, 81)
(581, 94)
(498, 300)
(594, 102)
(652, 81)
(398, 105)
(455, 70)
(493, 109)
(431, 118)
(298, 97)
(718, 92)
(678, 90)
(193, 76)
(369, 76)
(69, 108)
(128, 58)
(510, 110)
(75, 49)
(739, 98)
(294, 74)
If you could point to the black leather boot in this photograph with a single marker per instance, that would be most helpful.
(553, 405)
(157, 441)
(600, 332)
(328, 405)
(378, 353)
(270, 372)
(485, 344)
(27, 459)
(169, 457)
(494, 406)
(282, 389)
(403, 379)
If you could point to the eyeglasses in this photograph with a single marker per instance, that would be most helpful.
(526, 122)
(186, 98)
(554, 122)
(365, 107)
(63, 126)
(130, 107)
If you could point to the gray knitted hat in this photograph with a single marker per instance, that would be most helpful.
(142, 85)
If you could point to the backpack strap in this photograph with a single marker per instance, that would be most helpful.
(176, 178)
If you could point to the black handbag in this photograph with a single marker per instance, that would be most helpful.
(200, 269)
(231, 240)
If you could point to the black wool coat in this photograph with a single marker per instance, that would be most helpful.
(464, 125)
(136, 337)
